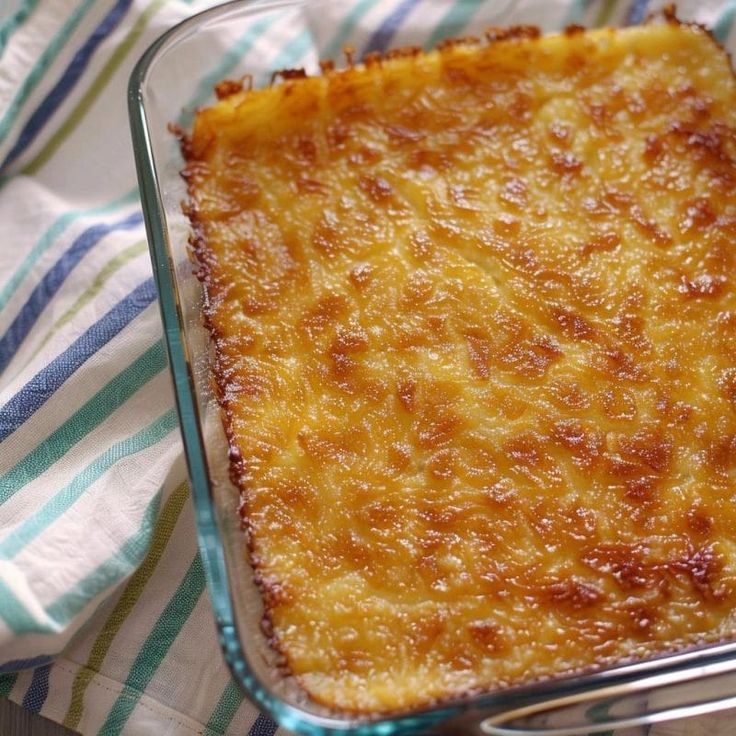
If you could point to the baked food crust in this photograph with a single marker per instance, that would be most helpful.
(474, 321)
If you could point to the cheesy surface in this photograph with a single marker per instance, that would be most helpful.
(475, 324)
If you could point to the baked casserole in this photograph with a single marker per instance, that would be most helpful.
(474, 324)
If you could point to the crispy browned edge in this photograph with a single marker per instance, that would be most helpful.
(199, 254)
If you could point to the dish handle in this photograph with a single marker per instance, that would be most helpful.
(662, 697)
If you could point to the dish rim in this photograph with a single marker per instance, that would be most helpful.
(627, 677)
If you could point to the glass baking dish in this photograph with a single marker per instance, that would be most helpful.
(175, 76)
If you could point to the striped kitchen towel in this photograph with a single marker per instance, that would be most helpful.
(105, 625)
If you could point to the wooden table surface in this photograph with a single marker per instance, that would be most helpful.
(17, 721)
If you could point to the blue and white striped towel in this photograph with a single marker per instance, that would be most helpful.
(104, 623)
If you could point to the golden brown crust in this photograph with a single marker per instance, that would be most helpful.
(473, 313)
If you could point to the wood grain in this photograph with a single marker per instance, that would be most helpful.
(17, 721)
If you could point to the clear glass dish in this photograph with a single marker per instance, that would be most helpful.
(175, 76)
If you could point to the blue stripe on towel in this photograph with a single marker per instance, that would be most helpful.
(382, 36)
(636, 12)
(52, 281)
(42, 386)
(24, 664)
(38, 690)
(67, 82)
(263, 726)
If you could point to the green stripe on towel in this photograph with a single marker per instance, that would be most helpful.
(15, 21)
(42, 64)
(16, 616)
(722, 27)
(453, 21)
(225, 710)
(108, 573)
(156, 647)
(231, 57)
(334, 48)
(98, 283)
(97, 86)
(54, 231)
(64, 499)
(129, 597)
(109, 398)
(605, 12)
(70, 603)
(7, 683)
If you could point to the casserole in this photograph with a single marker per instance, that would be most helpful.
(236, 605)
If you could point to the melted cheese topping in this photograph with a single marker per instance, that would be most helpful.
(475, 324)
